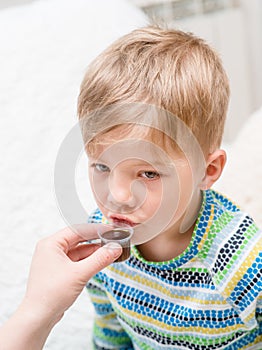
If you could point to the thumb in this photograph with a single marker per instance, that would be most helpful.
(100, 259)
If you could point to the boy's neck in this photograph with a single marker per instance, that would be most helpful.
(164, 247)
(172, 243)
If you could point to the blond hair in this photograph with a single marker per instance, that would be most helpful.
(173, 70)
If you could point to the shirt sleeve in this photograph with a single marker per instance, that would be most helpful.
(237, 272)
(107, 331)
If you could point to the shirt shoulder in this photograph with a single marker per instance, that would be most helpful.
(232, 252)
(96, 217)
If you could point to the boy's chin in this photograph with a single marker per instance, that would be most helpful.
(144, 233)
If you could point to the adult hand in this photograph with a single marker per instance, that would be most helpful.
(61, 266)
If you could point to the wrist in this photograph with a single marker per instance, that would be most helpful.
(38, 314)
(31, 325)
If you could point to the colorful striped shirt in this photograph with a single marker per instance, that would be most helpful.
(209, 297)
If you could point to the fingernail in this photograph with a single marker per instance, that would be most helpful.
(114, 247)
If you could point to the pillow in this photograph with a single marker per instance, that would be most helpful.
(242, 175)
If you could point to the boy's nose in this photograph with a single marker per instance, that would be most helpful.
(120, 191)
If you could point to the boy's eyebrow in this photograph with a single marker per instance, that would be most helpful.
(139, 162)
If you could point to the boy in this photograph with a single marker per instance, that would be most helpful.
(152, 109)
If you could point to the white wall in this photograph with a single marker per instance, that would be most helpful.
(9, 3)
(253, 23)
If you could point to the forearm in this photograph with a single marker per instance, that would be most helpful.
(26, 330)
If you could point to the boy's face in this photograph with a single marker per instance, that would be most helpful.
(140, 183)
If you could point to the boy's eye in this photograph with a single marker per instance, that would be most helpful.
(101, 167)
(151, 175)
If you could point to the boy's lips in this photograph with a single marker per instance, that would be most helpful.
(122, 220)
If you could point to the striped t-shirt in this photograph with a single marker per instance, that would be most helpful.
(209, 297)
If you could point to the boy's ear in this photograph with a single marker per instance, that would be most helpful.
(214, 166)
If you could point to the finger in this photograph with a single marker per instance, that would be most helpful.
(101, 258)
(69, 237)
(82, 251)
